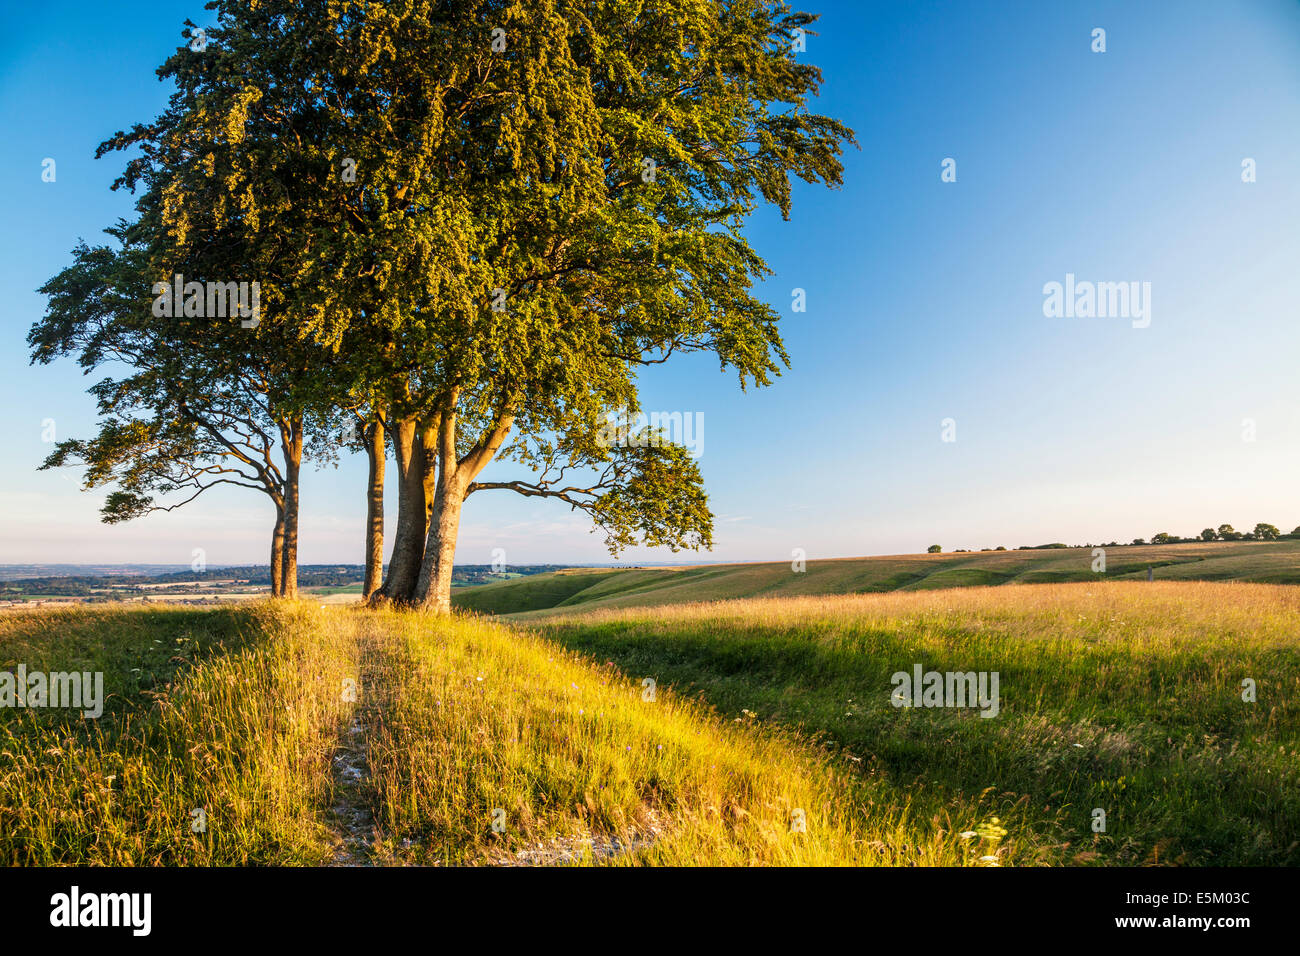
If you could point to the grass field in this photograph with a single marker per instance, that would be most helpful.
(241, 713)
(771, 737)
(1121, 696)
(1264, 562)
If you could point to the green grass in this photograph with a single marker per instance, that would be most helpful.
(202, 713)
(528, 593)
(240, 712)
(1120, 696)
(1275, 562)
(326, 591)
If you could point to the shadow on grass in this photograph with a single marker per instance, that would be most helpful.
(1185, 773)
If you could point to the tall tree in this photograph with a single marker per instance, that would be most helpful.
(601, 187)
(493, 214)
(197, 408)
(234, 186)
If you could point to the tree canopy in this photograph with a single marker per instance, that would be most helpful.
(475, 223)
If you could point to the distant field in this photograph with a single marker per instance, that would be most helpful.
(1275, 562)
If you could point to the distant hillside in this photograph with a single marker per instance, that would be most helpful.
(1272, 562)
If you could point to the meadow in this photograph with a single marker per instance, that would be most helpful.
(313, 735)
(244, 713)
(1261, 562)
(1120, 696)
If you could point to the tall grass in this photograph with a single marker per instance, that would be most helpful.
(1125, 697)
(478, 718)
(233, 713)
(240, 713)
(767, 714)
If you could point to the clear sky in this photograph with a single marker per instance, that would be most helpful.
(925, 298)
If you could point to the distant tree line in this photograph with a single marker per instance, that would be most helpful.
(1224, 532)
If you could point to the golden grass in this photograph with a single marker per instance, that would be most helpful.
(243, 734)
(462, 718)
(1124, 696)
(242, 712)
(479, 718)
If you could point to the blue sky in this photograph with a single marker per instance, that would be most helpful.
(924, 298)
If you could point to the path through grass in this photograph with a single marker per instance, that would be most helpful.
(241, 713)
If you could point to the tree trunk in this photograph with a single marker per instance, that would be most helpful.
(433, 590)
(293, 466)
(277, 553)
(412, 513)
(377, 452)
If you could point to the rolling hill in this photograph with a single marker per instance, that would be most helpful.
(1266, 562)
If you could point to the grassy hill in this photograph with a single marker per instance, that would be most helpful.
(308, 734)
(1121, 696)
(451, 729)
(1272, 562)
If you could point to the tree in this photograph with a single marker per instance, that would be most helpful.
(1209, 534)
(377, 455)
(1139, 541)
(236, 184)
(1164, 537)
(1266, 532)
(595, 195)
(198, 409)
(934, 549)
(533, 215)
(1226, 533)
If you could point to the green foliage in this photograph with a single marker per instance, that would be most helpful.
(516, 169)
(485, 241)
